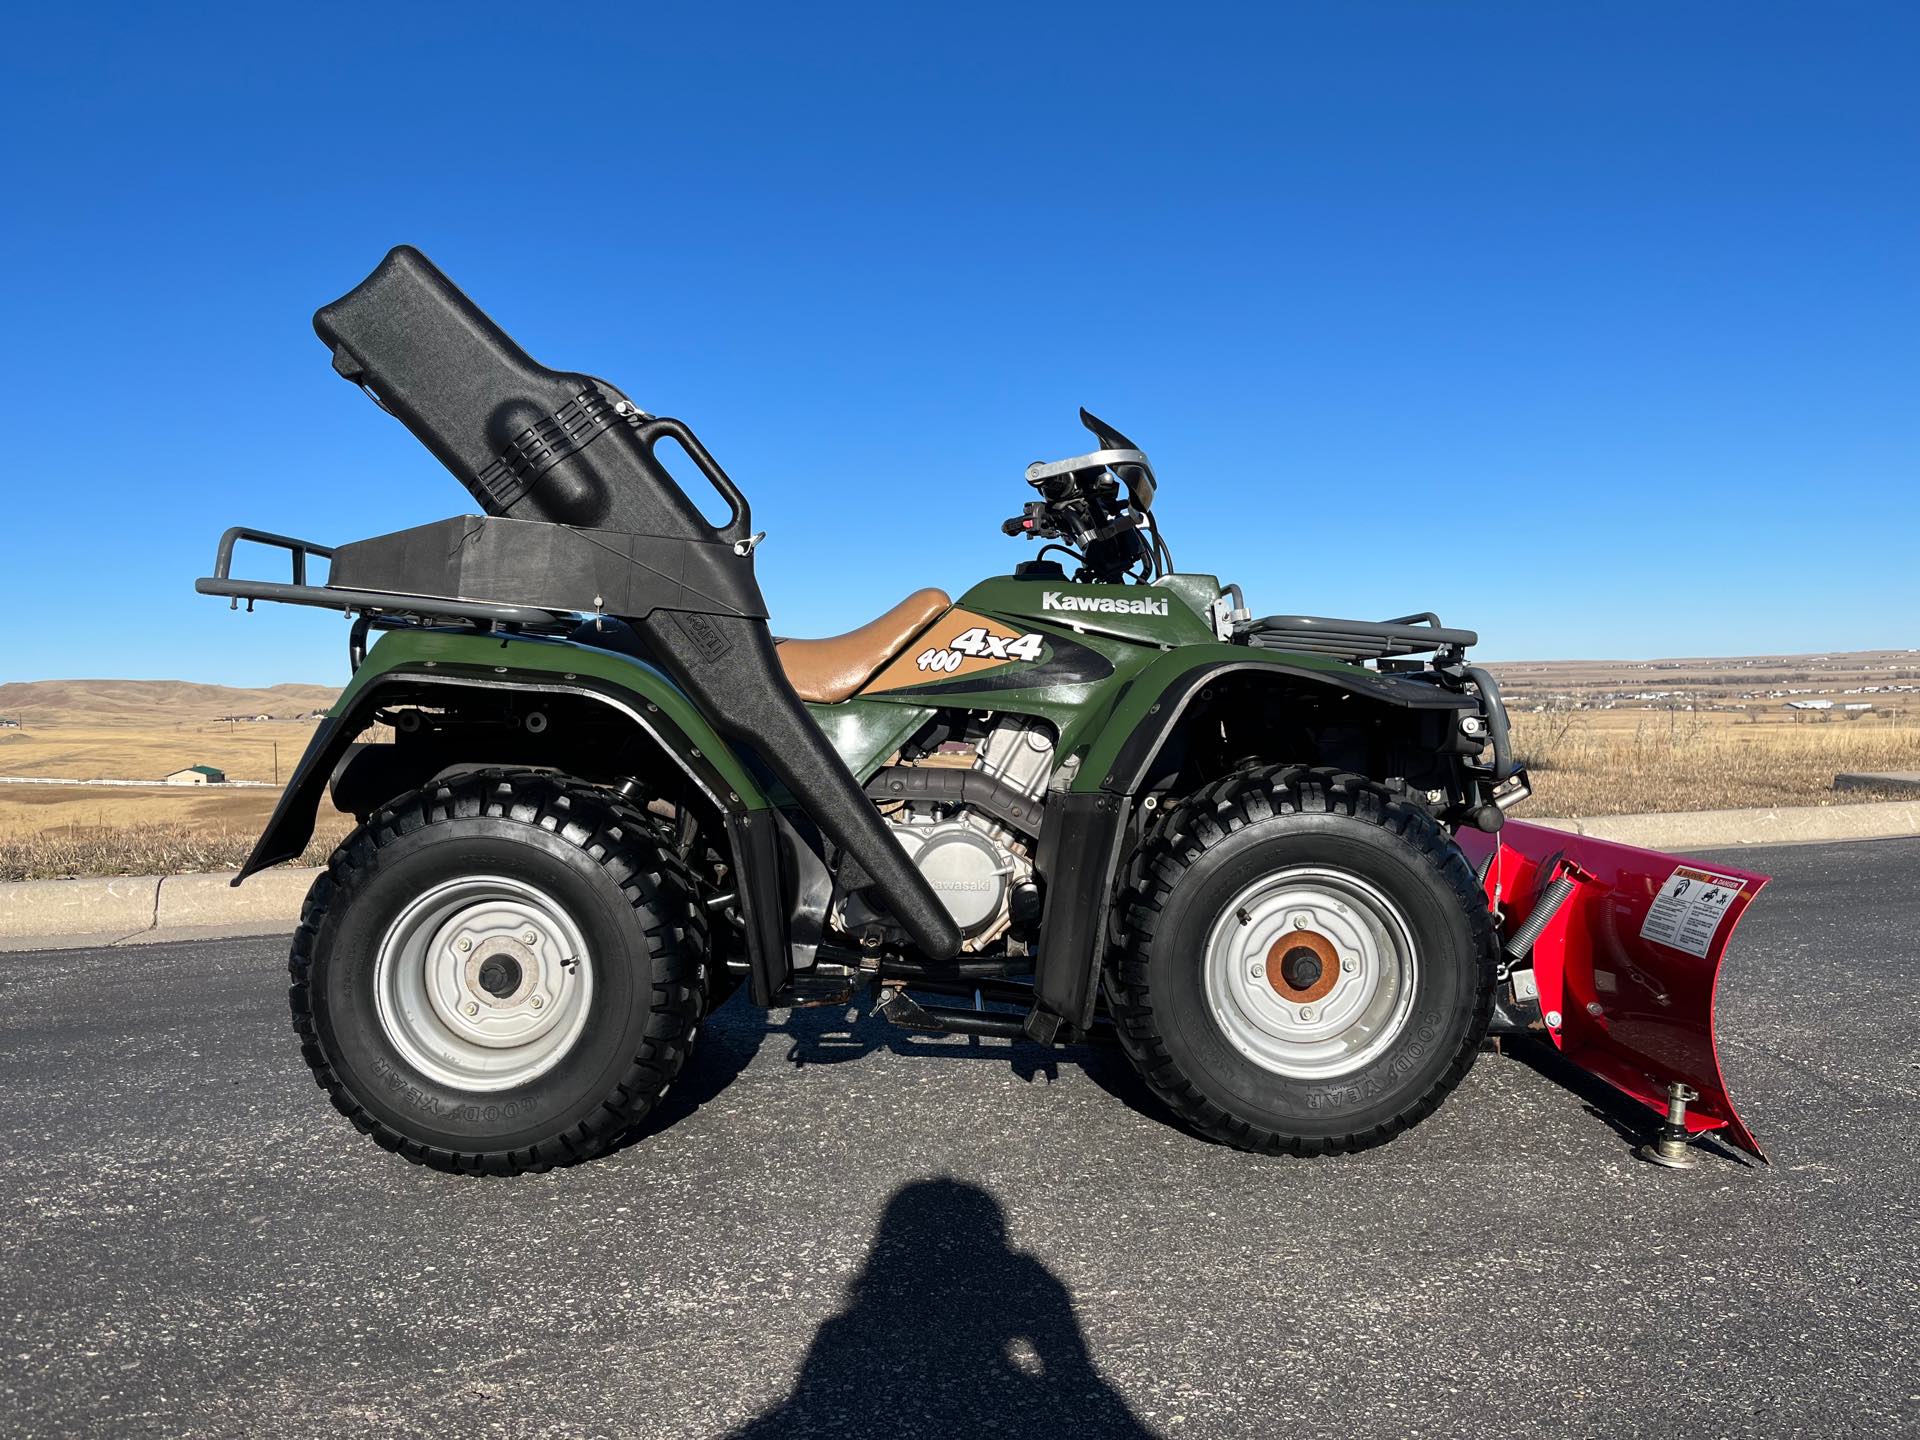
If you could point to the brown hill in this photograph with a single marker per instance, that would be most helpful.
(150, 703)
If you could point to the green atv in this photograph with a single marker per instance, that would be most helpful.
(1094, 797)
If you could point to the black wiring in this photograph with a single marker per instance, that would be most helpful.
(1163, 556)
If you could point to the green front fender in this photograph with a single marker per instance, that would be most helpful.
(1089, 827)
(412, 663)
(1148, 708)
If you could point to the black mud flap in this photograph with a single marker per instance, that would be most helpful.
(1078, 853)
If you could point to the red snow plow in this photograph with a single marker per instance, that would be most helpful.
(1614, 952)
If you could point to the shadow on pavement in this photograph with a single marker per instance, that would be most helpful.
(834, 1034)
(837, 1034)
(949, 1331)
(1625, 1116)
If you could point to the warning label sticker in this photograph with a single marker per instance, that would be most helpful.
(1687, 912)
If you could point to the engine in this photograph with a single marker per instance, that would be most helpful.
(966, 812)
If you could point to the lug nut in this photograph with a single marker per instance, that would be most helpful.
(1306, 1012)
(530, 938)
(1303, 921)
(465, 944)
(471, 1008)
(1349, 965)
(537, 1002)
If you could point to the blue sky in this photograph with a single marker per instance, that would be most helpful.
(1591, 327)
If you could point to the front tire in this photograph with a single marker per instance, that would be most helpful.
(1308, 965)
(499, 972)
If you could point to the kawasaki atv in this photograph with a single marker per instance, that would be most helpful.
(1268, 856)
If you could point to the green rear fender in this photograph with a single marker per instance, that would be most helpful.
(443, 668)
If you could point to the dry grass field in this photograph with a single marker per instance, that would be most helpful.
(1636, 736)
(157, 849)
(1601, 739)
(1632, 762)
(140, 730)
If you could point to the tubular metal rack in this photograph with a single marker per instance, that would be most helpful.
(1356, 640)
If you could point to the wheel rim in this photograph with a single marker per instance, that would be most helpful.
(483, 983)
(1310, 972)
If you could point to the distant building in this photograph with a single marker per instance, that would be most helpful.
(1809, 704)
(1858, 705)
(196, 775)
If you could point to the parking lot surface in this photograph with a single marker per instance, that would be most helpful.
(839, 1229)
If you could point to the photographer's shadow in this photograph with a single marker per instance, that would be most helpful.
(948, 1331)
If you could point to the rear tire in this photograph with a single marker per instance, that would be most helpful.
(499, 972)
(1308, 963)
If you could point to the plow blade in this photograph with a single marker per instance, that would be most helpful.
(1624, 947)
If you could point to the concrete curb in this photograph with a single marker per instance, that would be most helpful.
(146, 909)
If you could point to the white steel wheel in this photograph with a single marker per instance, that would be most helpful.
(483, 983)
(1310, 972)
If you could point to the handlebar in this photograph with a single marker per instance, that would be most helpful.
(1099, 506)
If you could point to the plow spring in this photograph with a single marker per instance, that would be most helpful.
(1613, 952)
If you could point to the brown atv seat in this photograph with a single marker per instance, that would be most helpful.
(829, 670)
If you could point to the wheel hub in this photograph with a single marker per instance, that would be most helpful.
(1302, 966)
(500, 975)
(1310, 971)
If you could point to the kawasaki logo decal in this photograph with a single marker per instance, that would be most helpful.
(1100, 604)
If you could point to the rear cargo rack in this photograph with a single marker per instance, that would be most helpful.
(1355, 640)
(378, 604)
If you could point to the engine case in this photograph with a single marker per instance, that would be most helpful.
(969, 859)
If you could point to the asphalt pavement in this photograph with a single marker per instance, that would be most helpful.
(843, 1230)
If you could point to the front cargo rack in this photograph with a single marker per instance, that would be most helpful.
(389, 607)
(1355, 640)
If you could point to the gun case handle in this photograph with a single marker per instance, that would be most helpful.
(740, 519)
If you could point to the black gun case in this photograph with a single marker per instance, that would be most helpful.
(581, 516)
